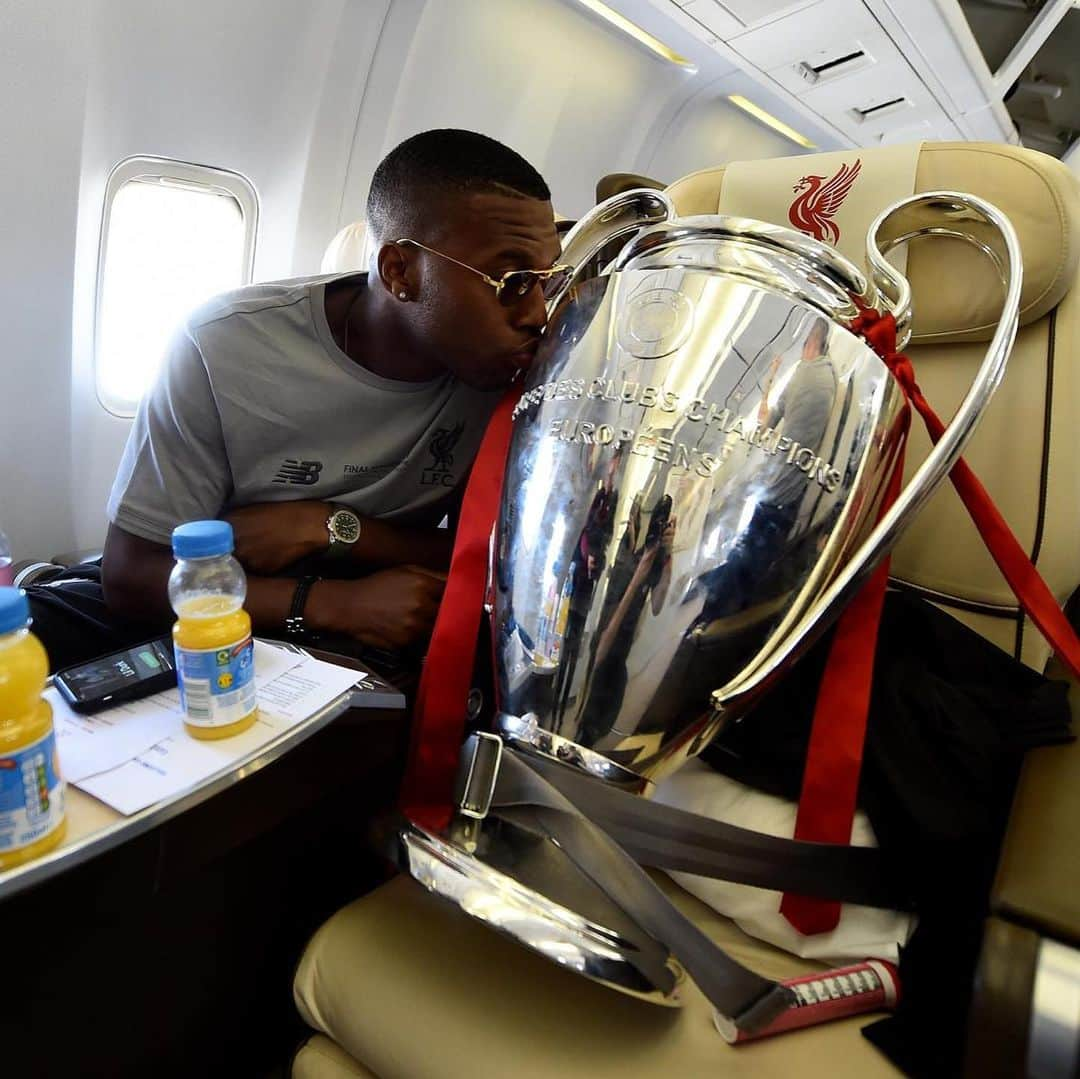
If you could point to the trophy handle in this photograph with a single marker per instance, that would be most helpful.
(934, 213)
(621, 215)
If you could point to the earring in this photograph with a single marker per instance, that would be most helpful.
(402, 295)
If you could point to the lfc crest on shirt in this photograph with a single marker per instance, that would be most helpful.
(441, 447)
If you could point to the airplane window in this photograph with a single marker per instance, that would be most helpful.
(172, 238)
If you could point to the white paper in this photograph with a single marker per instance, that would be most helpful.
(91, 744)
(87, 745)
(179, 762)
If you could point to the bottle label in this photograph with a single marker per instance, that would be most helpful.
(217, 685)
(31, 794)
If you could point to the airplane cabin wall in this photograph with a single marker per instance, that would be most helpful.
(708, 130)
(303, 97)
(235, 86)
(44, 65)
(569, 93)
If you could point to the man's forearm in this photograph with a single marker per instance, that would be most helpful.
(384, 544)
(273, 535)
(143, 596)
(268, 602)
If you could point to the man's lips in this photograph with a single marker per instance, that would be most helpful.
(524, 357)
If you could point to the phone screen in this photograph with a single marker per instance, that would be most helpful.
(108, 675)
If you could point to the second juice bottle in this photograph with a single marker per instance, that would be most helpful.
(215, 657)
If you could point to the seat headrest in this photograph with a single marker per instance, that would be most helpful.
(346, 252)
(956, 292)
(615, 183)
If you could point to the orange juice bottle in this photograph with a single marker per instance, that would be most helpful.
(215, 656)
(31, 790)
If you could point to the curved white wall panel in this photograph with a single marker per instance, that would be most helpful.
(302, 97)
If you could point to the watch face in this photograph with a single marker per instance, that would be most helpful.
(345, 526)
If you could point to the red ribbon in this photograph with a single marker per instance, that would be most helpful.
(834, 754)
(439, 716)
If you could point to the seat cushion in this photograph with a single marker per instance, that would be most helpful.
(409, 986)
(1024, 447)
(957, 296)
(320, 1058)
(862, 933)
(1021, 453)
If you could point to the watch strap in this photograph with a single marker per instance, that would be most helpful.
(294, 620)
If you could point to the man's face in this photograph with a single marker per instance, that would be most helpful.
(814, 345)
(456, 315)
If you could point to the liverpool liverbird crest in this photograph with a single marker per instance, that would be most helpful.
(818, 200)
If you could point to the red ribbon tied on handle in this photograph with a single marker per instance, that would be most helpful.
(834, 755)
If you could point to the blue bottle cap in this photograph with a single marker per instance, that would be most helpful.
(14, 610)
(202, 539)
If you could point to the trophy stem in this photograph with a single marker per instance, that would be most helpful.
(525, 733)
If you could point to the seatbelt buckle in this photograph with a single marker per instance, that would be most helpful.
(477, 774)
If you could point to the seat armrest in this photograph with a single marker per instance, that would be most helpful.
(1028, 965)
(1038, 877)
(73, 558)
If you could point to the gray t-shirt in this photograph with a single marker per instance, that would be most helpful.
(802, 414)
(255, 402)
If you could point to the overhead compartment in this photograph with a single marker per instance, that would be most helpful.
(859, 66)
(840, 63)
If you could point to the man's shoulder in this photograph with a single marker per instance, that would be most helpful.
(268, 296)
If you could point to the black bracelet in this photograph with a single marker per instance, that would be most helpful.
(294, 621)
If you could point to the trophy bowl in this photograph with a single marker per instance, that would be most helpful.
(695, 487)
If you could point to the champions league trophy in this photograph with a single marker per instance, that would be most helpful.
(695, 488)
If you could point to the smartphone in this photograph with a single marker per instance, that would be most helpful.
(122, 676)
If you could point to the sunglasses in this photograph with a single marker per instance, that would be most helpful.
(513, 286)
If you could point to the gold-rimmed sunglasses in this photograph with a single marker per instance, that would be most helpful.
(512, 286)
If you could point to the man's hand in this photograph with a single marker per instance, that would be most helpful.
(273, 535)
(763, 407)
(388, 609)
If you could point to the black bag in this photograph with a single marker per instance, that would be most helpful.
(951, 716)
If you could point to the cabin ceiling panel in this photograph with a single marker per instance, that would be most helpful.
(828, 24)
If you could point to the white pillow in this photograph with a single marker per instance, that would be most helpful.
(863, 932)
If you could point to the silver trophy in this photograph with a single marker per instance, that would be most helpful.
(694, 491)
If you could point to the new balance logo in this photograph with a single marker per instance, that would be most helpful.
(303, 472)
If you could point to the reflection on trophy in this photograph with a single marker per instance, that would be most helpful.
(696, 486)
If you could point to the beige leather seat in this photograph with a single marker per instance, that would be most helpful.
(406, 987)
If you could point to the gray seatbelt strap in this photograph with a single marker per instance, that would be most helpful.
(748, 999)
(664, 837)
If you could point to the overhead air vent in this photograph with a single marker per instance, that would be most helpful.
(881, 109)
(833, 64)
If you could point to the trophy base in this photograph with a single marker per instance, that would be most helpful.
(519, 883)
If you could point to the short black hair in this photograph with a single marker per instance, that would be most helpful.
(820, 327)
(437, 163)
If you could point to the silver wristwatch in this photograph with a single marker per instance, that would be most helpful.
(343, 527)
